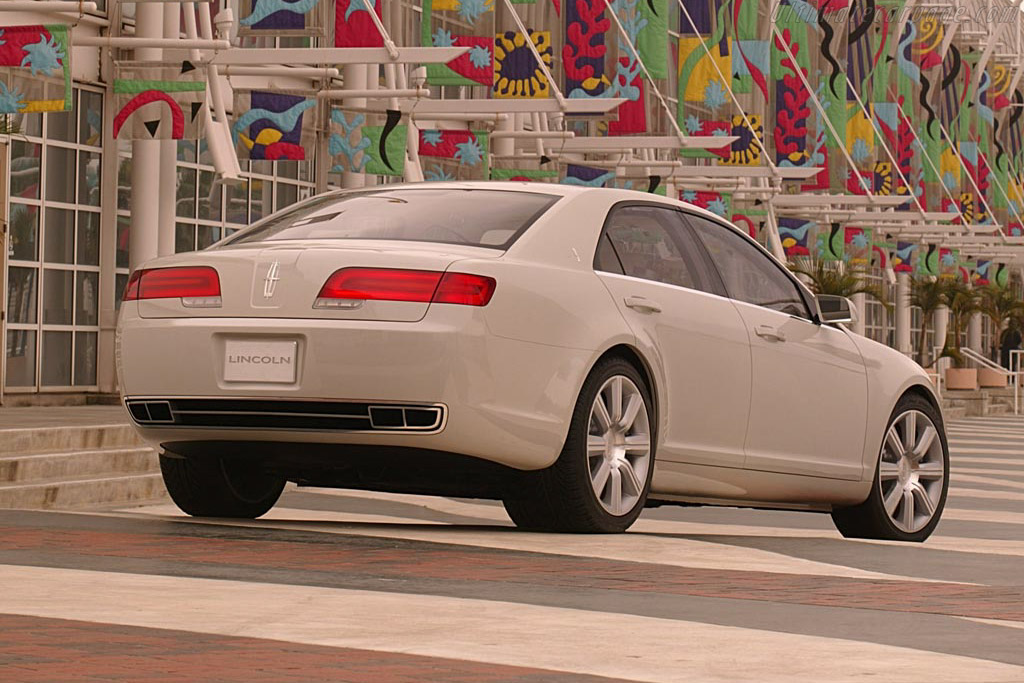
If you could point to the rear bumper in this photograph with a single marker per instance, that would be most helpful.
(504, 400)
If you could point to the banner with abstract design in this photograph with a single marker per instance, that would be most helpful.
(903, 258)
(358, 148)
(980, 275)
(795, 235)
(584, 53)
(652, 38)
(831, 244)
(857, 246)
(35, 69)
(284, 17)
(454, 154)
(517, 74)
(715, 202)
(525, 174)
(274, 125)
(460, 23)
(158, 101)
(353, 25)
(585, 176)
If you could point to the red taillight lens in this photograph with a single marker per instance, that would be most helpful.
(172, 283)
(465, 289)
(420, 286)
(381, 283)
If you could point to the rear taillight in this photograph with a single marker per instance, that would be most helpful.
(196, 286)
(392, 284)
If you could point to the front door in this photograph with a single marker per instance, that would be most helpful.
(649, 261)
(808, 409)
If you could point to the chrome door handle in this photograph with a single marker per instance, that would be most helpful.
(770, 333)
(642, 304)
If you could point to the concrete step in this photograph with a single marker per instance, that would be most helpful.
(954, 412)
(26, 469)
(84, 492)
(65, 439)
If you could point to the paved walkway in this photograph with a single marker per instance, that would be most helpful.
(360, 586)
(36, 417)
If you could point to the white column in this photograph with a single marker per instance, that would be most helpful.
(355, 76)
(168, 154)
(902, 314)
(861, 324)
(940, 326)
(974, 334)
(144, 238)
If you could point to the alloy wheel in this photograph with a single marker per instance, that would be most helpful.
(911, 471)
(619, 445)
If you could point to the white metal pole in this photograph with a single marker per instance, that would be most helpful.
(902, 311)
(169, 154)
(144, 240)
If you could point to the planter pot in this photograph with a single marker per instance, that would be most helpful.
(987, 377)
(962, 378)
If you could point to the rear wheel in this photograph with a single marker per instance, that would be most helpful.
(911, 479)
(600, 481)
(216, 487)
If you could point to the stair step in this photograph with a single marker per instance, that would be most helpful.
(83, 492)
(62, 439)
(74, 464)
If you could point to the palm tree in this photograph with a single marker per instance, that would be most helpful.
(963, 302)
(840, 281)
(926, 294)
(1000, 305)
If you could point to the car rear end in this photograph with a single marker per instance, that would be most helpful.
(355, 319)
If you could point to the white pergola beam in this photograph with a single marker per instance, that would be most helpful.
(336, 55)
(543, 106)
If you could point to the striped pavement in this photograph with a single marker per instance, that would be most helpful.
(361, 586)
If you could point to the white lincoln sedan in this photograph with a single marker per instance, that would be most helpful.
(576, 353)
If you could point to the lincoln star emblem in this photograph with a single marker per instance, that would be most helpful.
(270, 283)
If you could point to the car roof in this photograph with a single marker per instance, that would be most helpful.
(558, 189)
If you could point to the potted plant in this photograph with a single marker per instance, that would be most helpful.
(962, 302)
(1001, 306)
(927, 294)
(840, 280)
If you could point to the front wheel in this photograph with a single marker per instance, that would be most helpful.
(218, 487)
(600, 481)
(911, 479)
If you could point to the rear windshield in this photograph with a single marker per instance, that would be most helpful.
(482, 218)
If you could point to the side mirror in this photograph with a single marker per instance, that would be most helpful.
(836, 309)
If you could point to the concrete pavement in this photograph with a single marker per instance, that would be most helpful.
(342, 585)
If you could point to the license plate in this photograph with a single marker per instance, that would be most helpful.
(260, 361)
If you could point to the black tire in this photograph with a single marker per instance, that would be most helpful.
(561, 497)
(214, 487)
(870, 519)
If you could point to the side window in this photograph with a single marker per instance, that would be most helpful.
(605, 259)
(748, 274)
(647, 241)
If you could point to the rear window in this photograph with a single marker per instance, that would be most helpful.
(482, 218)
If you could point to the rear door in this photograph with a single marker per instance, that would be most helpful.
(649, 261)
(808, 406)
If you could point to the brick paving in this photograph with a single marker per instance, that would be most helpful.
(390, 559)
(38, 650)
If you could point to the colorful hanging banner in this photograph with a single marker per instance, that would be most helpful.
(949, 262)
(517, 75)
(458, 23)
(357, 148)
(652, 38)
(523, 174)
(980, 275)
(158, 101)
(831, 244)
(274, 125)
(460, 154)
(584, 53)
(285, 17)
(35, 69)
(586, 176)
(795, 236)
(903, 258)
(353, 25)
(857, 246)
